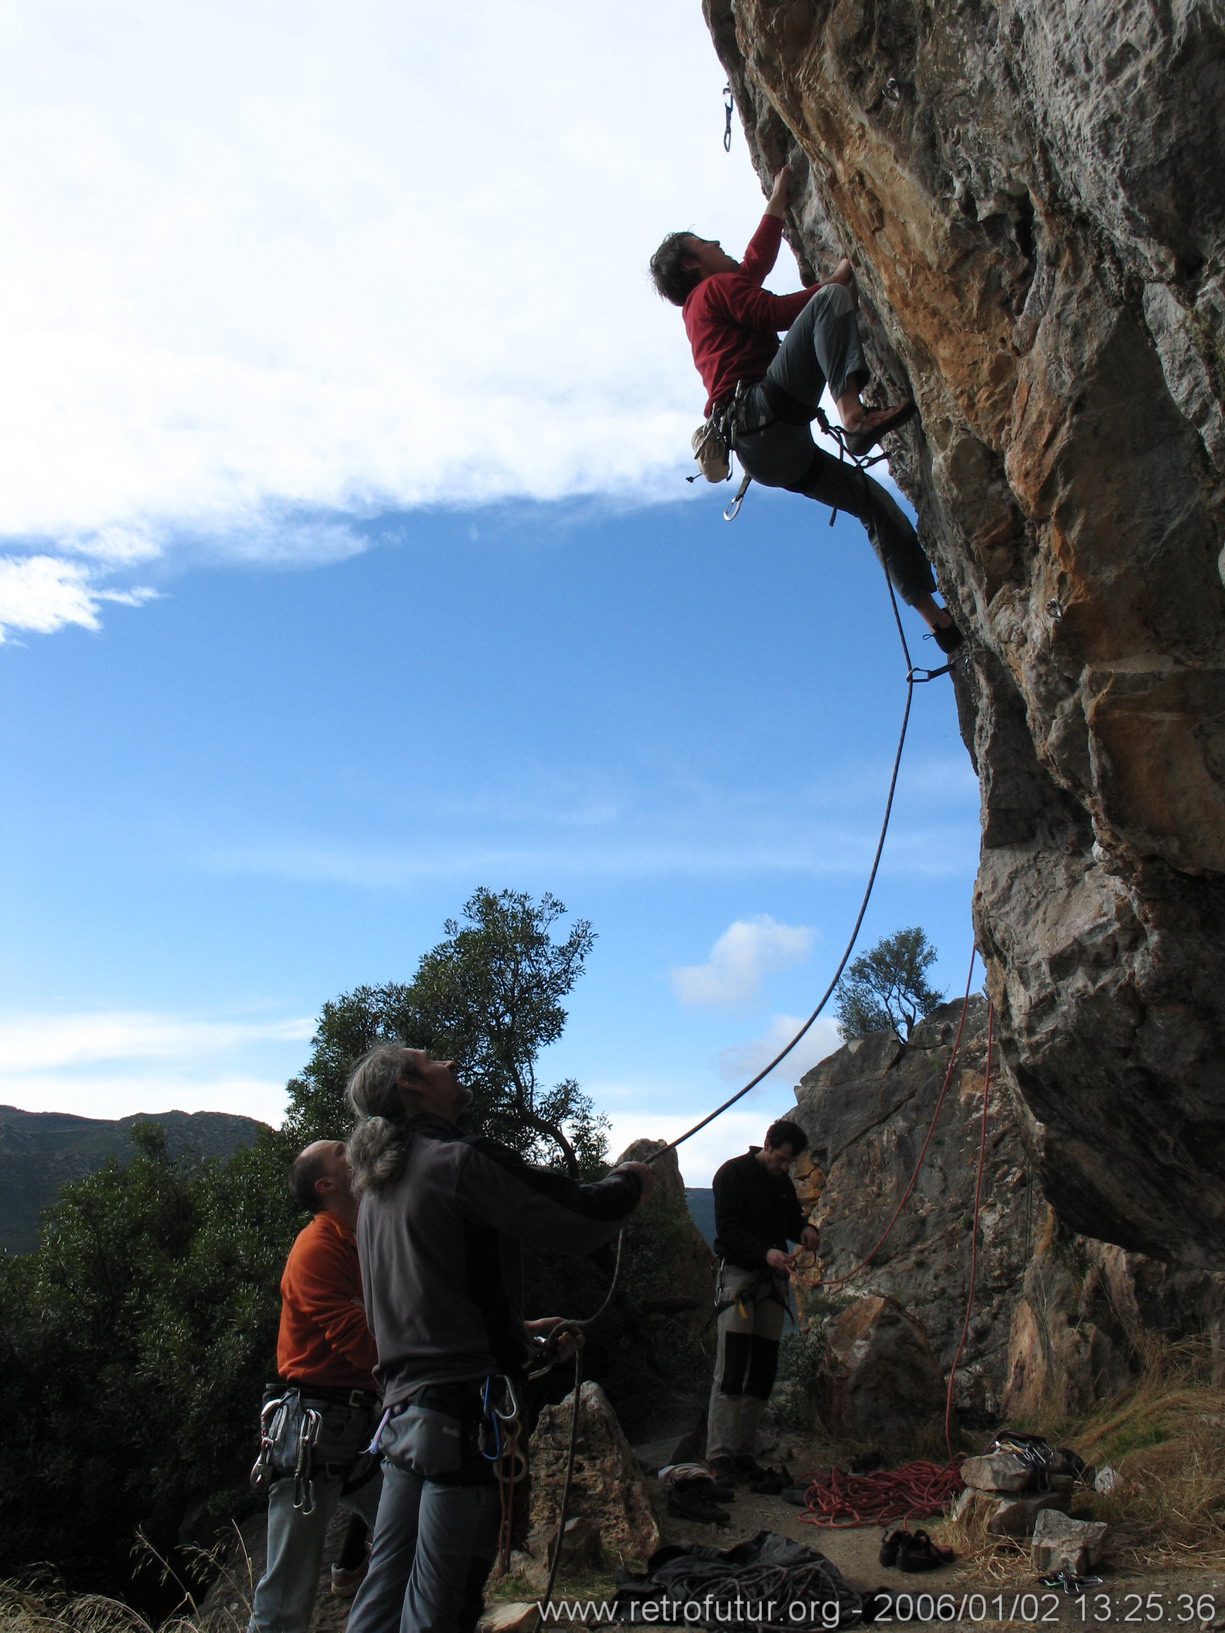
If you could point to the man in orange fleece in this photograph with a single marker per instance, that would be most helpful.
(328, 1397)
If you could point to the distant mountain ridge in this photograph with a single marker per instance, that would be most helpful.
(42, 1150)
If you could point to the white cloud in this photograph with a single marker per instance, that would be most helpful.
(377, 257)
(740, 1062)
(745, 952)
(114, 1095)
(41, 1042)
(111, 1063)
(42, 594)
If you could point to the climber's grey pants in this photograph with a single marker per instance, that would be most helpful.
(750, 1327)
(823, 345)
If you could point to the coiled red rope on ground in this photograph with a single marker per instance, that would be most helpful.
(836, 1499)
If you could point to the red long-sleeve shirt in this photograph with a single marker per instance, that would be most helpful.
(733, 323)
(323, 1337)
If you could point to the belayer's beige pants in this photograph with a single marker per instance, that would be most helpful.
(749, 1328)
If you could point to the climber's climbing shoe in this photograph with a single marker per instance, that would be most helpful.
(877, 424)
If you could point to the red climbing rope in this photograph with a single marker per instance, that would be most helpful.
(836, 1500)
(836, 1281)
(978, 1198)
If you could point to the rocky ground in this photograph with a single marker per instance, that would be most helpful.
(1005, 1594)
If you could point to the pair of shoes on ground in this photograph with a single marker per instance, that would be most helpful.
(876, 423)
(913, 1551)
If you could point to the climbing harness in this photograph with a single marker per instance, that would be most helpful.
(729, 107)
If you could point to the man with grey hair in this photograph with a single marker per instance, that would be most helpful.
(443, 1219)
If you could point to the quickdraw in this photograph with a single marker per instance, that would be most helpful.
(304, 1463)
(498, 1439)
(271, 1422)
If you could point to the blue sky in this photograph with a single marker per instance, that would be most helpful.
(347, 564)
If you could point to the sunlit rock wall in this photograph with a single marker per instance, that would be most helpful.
(1033, 196)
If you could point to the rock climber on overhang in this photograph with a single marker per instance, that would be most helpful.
(772, 392)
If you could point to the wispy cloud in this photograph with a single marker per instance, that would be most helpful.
(742, 1061)
(42, 594)
(38, 1042)
(111, 1063)
(745, 952)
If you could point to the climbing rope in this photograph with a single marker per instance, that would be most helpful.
(978, 1196)
(914, 676)
(837, 1281)
(564, 1505)
(837, 1500)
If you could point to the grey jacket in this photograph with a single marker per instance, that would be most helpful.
(440, 1253)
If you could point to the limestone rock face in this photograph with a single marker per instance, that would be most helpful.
(1032, 193)
(866, 1111)
(1057, 1320)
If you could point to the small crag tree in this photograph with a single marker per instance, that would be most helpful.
(887, 988)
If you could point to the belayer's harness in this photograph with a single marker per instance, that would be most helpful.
(748, 1294)
(281, 1403)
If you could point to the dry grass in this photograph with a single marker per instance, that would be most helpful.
(41, 1604)
(46, 1609)
(1166, 1438)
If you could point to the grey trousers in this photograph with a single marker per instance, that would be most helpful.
(749, 1330)
(434, 1539)
(285, 1598)
(823, 346)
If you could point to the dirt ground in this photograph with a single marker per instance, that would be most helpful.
(960, 1592)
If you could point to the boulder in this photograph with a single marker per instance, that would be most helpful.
(1006, 1514)
(607, 1489)
(999, 1471)
(1064, 1544)
(877, 1383)
(516, 1617)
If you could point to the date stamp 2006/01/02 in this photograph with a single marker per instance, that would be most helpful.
(1187, 1609)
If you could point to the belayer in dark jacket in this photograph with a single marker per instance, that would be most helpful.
(756, 1214)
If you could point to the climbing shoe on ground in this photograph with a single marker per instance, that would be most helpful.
(691, 1505)
(948, 639)
(889, 1545)
(748, 1468)
(771, 1482)
(877, 424)
(917, 1552)
(796, 1495)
